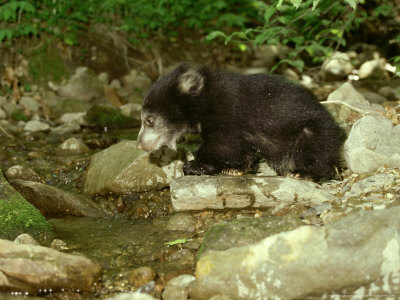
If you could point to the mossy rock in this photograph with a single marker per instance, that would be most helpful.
(103, 115)
(18, 216)
(246, 231)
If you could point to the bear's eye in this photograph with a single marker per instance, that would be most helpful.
(149, 121)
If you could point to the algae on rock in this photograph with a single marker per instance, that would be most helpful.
(18, 216)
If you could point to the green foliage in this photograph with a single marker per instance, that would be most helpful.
(311, 28)
(140, 18)
(16, 20)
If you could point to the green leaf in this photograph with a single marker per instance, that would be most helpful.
(178, 241)
(314, 5)
(6, 33)
(352, 3)
(269, 12)
(279, 4)
(215, 34)
(296, 3)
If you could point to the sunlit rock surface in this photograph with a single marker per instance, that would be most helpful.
(219, 192)
(122, 168)
(309, 261)
(373, 143)
(28, 268)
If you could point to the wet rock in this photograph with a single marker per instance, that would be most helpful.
(309, 261)
(83, 85)
(25, 239)
(18, 216)
(122, 168)
(59, 245)
(178, 288)
(181, 222)
(246, 231)
(373, 69)
(24, 173)
(338, 66)
(78, 117)
(372, 143)
(34, 126)
(53, 202)
(72, 146)
(29, 268)
(219, 192)
(141, 276)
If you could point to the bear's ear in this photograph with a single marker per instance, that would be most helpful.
(191, 82)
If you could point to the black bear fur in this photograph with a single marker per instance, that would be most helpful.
(240, 118)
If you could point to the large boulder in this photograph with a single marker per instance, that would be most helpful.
(358, 255)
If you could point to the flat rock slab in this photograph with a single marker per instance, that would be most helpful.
(220, 192)
(29, 268)
(359, 255)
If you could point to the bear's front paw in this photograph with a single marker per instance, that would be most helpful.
(194, 168)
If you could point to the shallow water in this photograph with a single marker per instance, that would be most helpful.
(119, 244)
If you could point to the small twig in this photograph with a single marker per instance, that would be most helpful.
(361, 111)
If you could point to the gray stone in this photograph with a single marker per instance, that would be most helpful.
(347, 105)
(373, 69)
(374, 183)
(83, 85)
(122, 168)
(34, 126)
(338, 65)
(29, 103)
(373, 97)
(358, 255)
(220, 192)
(22, 172)
(65, 129)
(177, 288)
(373, 143)
(25, 239)
(72, 146)
(53, 202)
(181, 222)
(30, 268)
(77, 117)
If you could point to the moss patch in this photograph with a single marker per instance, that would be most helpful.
(18, 216)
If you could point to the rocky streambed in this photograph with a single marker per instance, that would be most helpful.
(108, 220)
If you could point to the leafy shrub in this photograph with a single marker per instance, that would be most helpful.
(311, 28)
(139, 18)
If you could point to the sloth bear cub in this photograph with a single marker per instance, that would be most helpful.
(240, 118)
